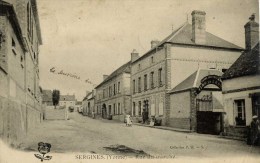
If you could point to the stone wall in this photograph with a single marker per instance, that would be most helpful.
(55, 114)
(16, 119)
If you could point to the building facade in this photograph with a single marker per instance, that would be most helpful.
(20, 37)
(88, 104)
(169, 62)
(241, 86)
(113, 94)
(67, 101)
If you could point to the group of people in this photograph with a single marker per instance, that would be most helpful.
(253, 137)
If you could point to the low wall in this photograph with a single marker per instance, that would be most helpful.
(182, 123)
(55, 114)
(240, 132)
(118, 118)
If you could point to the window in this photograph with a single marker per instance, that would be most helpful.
(104, 95)
(133, 108)
(13, 43)
(152, 60)
(160, 76)
(139, 66)
(114, 89)
(110, 91)
(145, 82)
(152, 81)
(118, 87)
(139, 84)
(240, 116)
(119, 108)
(133, 86)
(114, 109)
(140, 108)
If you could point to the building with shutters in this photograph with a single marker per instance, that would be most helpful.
(113, 98)
(169, 63)
(241, 85)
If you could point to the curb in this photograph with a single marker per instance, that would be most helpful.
(164, 128)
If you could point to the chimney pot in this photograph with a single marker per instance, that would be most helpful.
(251, 33)
(154, 43)
(134, 55)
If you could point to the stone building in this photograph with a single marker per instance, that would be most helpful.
(67, 101)
(241, 85)
(113, 94)
(20, 97)
(155, 74)
(88, 104)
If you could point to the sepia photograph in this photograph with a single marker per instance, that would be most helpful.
(129, 81)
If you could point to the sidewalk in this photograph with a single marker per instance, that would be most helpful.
(189, 131)
(164, 128)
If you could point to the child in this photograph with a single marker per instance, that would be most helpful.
(128, 120)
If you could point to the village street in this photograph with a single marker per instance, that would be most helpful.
(85, 135)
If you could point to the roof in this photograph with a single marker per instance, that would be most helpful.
(67, 98)
(46, 95)
(7, 7)
(183, 36)
(194, 80)
(126, 68)
(246, 64)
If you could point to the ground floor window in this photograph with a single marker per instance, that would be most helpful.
(240, 115)
(133, 108)
(140, 108)
(119, 108)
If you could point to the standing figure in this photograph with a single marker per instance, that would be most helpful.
(254, 130)
(128, 120)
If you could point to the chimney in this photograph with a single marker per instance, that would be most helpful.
(154, 43)
(134, 55)
(104, 77)
(198, 27)
(251, 32)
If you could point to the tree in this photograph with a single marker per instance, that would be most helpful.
(55, 97)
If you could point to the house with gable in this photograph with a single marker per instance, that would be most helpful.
(241, 85)
(188, 53)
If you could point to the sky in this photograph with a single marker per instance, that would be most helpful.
(86, 39)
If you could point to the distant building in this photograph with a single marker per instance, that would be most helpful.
(67, 101)
(47, 97)
(241, 85)
(20, 37)
(113, 94)
(156, 74)
(78, 106)
(88, 104)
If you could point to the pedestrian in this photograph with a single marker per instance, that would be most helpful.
(254, 131)
(128, 120)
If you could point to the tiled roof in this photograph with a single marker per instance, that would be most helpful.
(246, 64)
(46, 95)
(67, 98)
(194, 80)
(126, 68)
(183, 36)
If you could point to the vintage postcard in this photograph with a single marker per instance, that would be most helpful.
(129, 81)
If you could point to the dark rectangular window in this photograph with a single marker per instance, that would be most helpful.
(145, 82)
(140, 108)
(118, 87)
(133, 108)
(160, 76)
(152, 80)
(139, 85)
(240, 116)
(114, 89)
(133, 86)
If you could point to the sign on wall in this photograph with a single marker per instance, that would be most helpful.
(210, 79)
